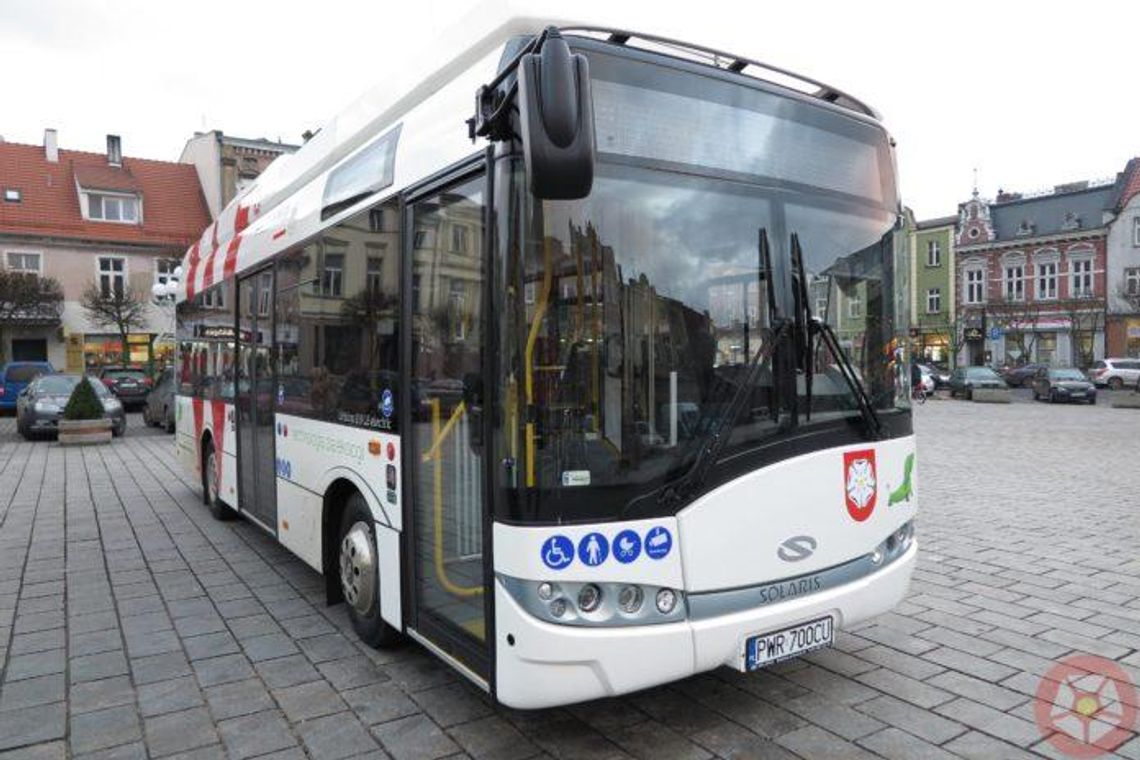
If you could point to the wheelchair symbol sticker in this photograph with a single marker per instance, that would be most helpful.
(557, 552)
(387, 405)
(593, 549)
(658, 542)
(627, 546)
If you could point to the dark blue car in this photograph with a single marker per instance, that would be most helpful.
(15, 376)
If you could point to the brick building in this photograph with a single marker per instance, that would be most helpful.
(227, 164)
(1031, 276)
(84, 218)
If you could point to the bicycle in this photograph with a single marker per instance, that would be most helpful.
(918, 393)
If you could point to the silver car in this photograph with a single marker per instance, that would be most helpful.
(1116, 373)
(39, 407)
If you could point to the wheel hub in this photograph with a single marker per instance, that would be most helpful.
(358, 567)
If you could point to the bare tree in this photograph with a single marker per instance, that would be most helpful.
(1017, 320)
(1086, 319)
(28, 299)
(123, 309)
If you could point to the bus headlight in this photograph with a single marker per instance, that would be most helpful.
(630, 598)
(589, 598)
(597, 603)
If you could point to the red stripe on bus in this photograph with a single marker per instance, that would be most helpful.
(241, 218)
(231, 258)
(194, 258)
(218, 411)
(208, 275)
(196, 405)
(279, 233)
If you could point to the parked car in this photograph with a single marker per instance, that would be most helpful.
(1116, 373)
(14, 378)
(965, 380)
(41, 404)
(159, 407)
(129, 384)
(940, 375)
(1065, 384)
(1022, 376)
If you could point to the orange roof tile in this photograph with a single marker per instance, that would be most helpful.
(174, 210)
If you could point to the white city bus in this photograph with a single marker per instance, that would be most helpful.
(580, 364)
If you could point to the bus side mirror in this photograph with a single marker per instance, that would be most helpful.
(556, 119)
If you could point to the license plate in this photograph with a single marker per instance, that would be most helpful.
(1078, 394)
(770, 648)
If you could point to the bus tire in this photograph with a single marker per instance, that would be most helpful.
(210, 484)
(356, 567)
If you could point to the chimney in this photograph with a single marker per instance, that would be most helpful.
(114, 150)
(51, 146)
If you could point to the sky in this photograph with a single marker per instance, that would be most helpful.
(1029, 95)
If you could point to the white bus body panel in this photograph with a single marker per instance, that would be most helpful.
(741, 531)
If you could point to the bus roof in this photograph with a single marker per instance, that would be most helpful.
(426, 126)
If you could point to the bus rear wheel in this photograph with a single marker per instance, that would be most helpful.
(357, 568)
(211, 483)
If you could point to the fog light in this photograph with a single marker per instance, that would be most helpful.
(545, 591)
(902, 536)
(666, 600)
(589, 598)
(630, 598)
(877, 556)
(558, 608)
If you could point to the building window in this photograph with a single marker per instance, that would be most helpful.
(975, 285)
(1132, 281)
(112, 276)
(854, 307)
(1047, 280)
(113, 208)
(1015, 283)
(459, 239)
(933, 301)
(164, 270)
(1082, 284)
(28, 263)
(12, 195)
(1136, 231)
(332, 276)
(933, 254)
(215, 297)
(374, 275)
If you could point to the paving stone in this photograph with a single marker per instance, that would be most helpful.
(833, 716)
(180, 731)
(159, 667)
(980, 691)
(56, 750)
(916, 720)
(223, 669)
(897, 744)
(331, 646)
(169, 696)
(309, 700)
(815, 743)
(95, 667)
(132, 751)
(232, 700)
(97, 695)
(258, 648)
(733, 742)
(351, 672)
(255, 734)
(978, 746)
(414, 737)
(42, 690)
(986, 719)
(32, 725)
(380, 703)
(908, 689)
(333, 737)
(40, 641)
(286, 671)
(33, 665)
(104, 728)
(210, 645)
(95, 642)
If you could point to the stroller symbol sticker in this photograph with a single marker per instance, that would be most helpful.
(627, 546)
(557, 552)
(658, 542)
(593, 549)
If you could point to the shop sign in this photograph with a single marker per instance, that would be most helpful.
(974, 333)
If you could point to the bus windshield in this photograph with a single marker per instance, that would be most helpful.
(629, 318)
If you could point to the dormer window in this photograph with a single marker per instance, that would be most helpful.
(1072, 221)
(1025, 229)
(113, 208)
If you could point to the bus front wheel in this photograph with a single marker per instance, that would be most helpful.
(211, 483)
(359, 576)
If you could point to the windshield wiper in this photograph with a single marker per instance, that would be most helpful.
(681, 488)
(816, 325)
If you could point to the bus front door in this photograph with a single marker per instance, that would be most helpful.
(445, 255)
(257, 483)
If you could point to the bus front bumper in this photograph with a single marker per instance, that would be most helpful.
(540, 664)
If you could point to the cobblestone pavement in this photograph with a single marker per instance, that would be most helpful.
(133, 625)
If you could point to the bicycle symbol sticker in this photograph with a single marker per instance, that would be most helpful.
(627, 546)
(557, 552)
(1086, 706)
(658, 542)
(593, 549)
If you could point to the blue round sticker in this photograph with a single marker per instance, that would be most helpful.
(387, 406)
(281, 393)
(627, 546)
(557, 552)
(658, 542)
(593, 549)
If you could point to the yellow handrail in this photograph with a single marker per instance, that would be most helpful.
(531, 338)
(433, 453)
